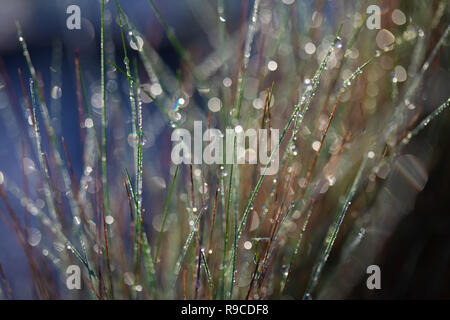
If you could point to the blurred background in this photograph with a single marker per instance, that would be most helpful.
(414, 250)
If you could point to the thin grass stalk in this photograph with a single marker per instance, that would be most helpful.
(188, 241)
(286, 274)
(246, 57)
(164, 218)
(226, 235)
(213, 218)
(205, 266)
(47, 122)
(6, 285)
(333, 231)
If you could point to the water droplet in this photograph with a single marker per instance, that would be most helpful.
(316, 145)
(214, 104)
(128, 278)
(238, 129)
(156, 89)
(385, 39)
(398, 17)
(272, 65)
(227, 82)
(88, 123)
(132, 139)
(310, 48)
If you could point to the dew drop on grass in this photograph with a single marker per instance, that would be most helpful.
(398, 17)
(136, 43)
(338, 43)
(132, 139)
(331, 180)
(308, 297)
(247, 245)
(34, 237)
(109, 220)
(316, 145)
(258, 103)
(238, 129)
(272, 65)
(56, 92)
(227, 82)
(88, 123)
(156, 89)
(310, 48)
